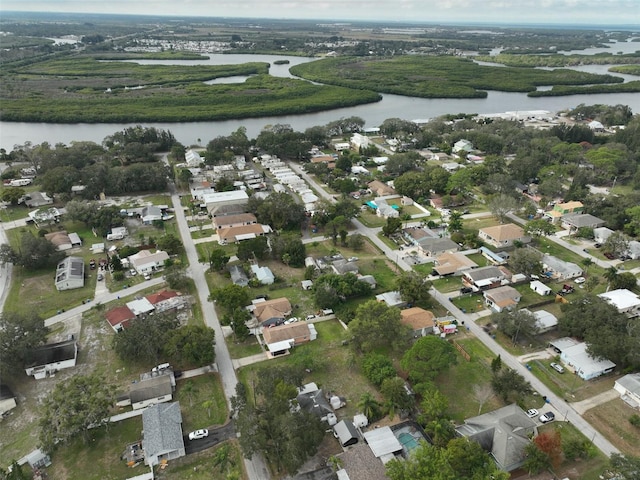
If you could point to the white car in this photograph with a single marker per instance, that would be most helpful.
(532, 413)
(580, 280)
(132, 272)
(558, 368)
(198, 434)
(547, 417)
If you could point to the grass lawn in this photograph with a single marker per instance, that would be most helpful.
(612, 420)
(100, 459)
(447, 284)
(390, 243)
(243, 349)
(470, 303)
(220, 463)
(192, 393)
(424, 268)
(336, 370)
(475, 224)
(475, 372)
(369, 218)
(14, 212)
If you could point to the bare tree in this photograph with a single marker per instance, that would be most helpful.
(501, 205)
(483, 393)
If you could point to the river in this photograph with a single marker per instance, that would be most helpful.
(391, 106)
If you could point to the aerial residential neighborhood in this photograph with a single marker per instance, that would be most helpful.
(455, 295)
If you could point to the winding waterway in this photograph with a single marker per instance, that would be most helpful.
(391, 106)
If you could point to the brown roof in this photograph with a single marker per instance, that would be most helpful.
(299, 332)
(501, 233)
(323, 159)
(503, 296)
(452, 262)
(58, 238)
(118, 315)
(381, 188)
(230, 233)
(237, 218)
(417, 318)
(161, 296)
(278, 307)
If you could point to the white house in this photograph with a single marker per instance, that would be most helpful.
(263, 274)
(540, 288)
(193, 158)
(50, 358)
(7, 399)
(624, 300)
(462, 146)
(601, 234)
(629, 389)
(578, 360)
(70, 274)
(145, 262)
(559, 269)
(545, 321)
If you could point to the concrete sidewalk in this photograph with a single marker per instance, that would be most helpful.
(257, 358)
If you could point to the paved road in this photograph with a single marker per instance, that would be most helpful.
(562, 409)
(216, 435)
(256, 467)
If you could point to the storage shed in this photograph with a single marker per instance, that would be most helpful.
(346, 433)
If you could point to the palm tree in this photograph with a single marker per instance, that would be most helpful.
(587, 262)
(610, 274)
(208, 405)
(189, 389)
(369, 405)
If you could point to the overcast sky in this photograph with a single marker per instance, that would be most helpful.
(596, 12)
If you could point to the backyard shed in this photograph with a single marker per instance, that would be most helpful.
(540, 288)
(346, 433)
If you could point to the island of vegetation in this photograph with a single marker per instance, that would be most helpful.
(438, 76)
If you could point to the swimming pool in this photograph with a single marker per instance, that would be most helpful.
(408, 441)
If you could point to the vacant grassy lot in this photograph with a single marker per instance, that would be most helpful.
(100, 458)
(194, 395)
(220, 463)
(612, 420)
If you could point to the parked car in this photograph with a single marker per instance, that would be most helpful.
(610, 256)
(100, 277)
(547, 417)
(147, 276)
(532, 413)
(133, 272)
(311, 317)
(466, 290)
(597, 245)
(198, 434)
(579, 280)
(558, 368)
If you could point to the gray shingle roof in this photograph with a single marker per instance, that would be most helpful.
(162, 426)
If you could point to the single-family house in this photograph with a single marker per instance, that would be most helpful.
(383, 443)
(231, 209)
(359, 141)
(119, 318)
(503, 433)
(346, 433)
(7, 399)
(420, 321)
(601, 234)
(462, 146)
(37, 199)
(392, 299)
(381, 189)
(559, 269)
(434, 246)
(166, 300)
(540, 288)
(264, 275)
(575, 221)
(151, 391)
(624, 300)
(48, 359)
(238, 276)
(237, 234)
(561, 209)
(545, 321)
(483, 278)
(384, 210)
(162, 427)
(117, 233)
(342, 266)
(97, 248)
(280, 338)
(502, 298)
(193, 158)
(496, 258)
(70, 274)
(237, 220)
(629, 389)
(60, 240)
(279, 308)
(237, 198)
(453, 263)
(151, 214)
(633, 250)
(561, 344)
(312, 399)
(370, 279)
(579, 361)
(144, 262)
(45, 216)
(501, 236)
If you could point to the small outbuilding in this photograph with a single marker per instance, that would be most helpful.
(540, 288)
(346, 433)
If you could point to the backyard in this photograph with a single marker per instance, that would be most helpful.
(612, 420)
(202, 402)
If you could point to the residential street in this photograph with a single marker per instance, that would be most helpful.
(256, 467)
(562, 409)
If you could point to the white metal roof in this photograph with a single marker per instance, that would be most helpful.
(382, 441)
